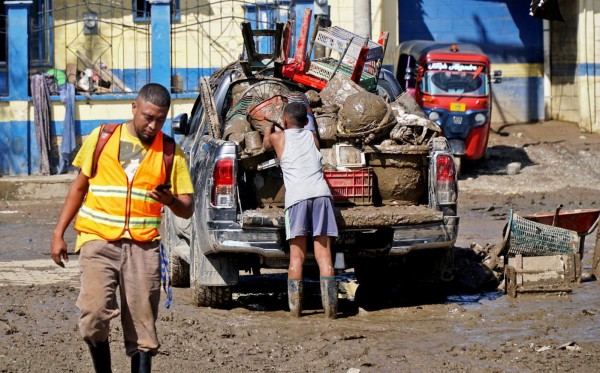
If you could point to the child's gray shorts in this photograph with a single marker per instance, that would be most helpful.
(311, 217)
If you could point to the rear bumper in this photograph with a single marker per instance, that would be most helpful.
(271, 243)
(440, 235)
(266, 243)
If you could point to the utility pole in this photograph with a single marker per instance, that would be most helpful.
(362, 18)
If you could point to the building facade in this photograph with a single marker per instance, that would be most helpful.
(548, 67)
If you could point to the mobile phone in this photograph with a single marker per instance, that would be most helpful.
(163, 187)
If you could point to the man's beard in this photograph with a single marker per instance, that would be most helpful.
(146, 140)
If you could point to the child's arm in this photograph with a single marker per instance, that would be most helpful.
(267, 144)
(316, 138)
(274, 140)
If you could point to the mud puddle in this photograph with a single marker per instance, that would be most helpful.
(473, 300)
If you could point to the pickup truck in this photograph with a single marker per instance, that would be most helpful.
(406, 234)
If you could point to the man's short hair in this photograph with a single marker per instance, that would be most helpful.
(155, 94)
(296, 113)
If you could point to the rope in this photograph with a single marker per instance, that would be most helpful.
(165, 274)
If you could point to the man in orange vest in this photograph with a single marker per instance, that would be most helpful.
(118, 197)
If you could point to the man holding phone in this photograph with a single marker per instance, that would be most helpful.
(118, 197)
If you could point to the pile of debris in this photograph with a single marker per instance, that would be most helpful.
(343, 112)
(340, 90)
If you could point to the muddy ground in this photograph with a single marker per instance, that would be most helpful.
(474, 329)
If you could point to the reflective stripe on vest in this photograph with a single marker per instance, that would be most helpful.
(112, 205)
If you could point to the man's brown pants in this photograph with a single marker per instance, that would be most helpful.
(134, 268)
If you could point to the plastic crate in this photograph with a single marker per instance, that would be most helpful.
(323, 68)
(354, 187)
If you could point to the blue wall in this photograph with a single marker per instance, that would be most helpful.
(14, 149)
(502, 28)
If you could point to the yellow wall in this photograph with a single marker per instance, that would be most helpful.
(208, 34)
(384, 17)
(120, 43)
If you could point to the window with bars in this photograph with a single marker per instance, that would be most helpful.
(142, 10)
(40, 35)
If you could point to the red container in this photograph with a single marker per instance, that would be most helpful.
(354, 187)
(579, 221)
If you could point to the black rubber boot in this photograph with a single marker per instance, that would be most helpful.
(101, 357)
(141, 362)
(329, 296)
(295, 295)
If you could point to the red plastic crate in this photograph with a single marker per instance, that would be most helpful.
(351, 186)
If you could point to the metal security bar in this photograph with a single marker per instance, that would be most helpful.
(209, 35)
(104, 46)
(97, 44)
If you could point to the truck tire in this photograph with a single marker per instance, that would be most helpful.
(180, 270)
(212, 276)
(211, 296)
(373, 284)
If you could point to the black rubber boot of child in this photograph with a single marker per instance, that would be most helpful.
(329, 296)
(295, 295)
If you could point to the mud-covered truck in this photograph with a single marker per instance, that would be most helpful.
(392, 178)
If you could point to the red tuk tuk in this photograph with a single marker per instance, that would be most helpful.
(452, 84)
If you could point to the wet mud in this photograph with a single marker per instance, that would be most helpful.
(361, 112)
(473, 328)
(351, 216)
(399, 180)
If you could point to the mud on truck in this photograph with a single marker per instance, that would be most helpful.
(391, 175)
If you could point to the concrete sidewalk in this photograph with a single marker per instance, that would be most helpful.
(16, 188)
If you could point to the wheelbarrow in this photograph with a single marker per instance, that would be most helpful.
(544, 251)
(582, 221)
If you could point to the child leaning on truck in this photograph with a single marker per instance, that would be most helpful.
(308, 205)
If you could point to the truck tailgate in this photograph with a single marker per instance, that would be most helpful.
(351, 217)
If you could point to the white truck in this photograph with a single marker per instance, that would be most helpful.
(404, 232)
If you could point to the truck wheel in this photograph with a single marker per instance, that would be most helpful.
(211, 296)
(180, 270)
(372, 297)
(373, 284)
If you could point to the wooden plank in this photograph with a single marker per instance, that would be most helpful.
(105, 74)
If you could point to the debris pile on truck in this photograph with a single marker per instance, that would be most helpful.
(351, 114)
(354, 116)
(341, 91)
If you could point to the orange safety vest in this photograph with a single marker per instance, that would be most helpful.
(113, 205)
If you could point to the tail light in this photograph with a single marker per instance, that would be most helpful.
(223, 183)
(446, 179)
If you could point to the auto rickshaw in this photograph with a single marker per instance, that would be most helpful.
(452, 84)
